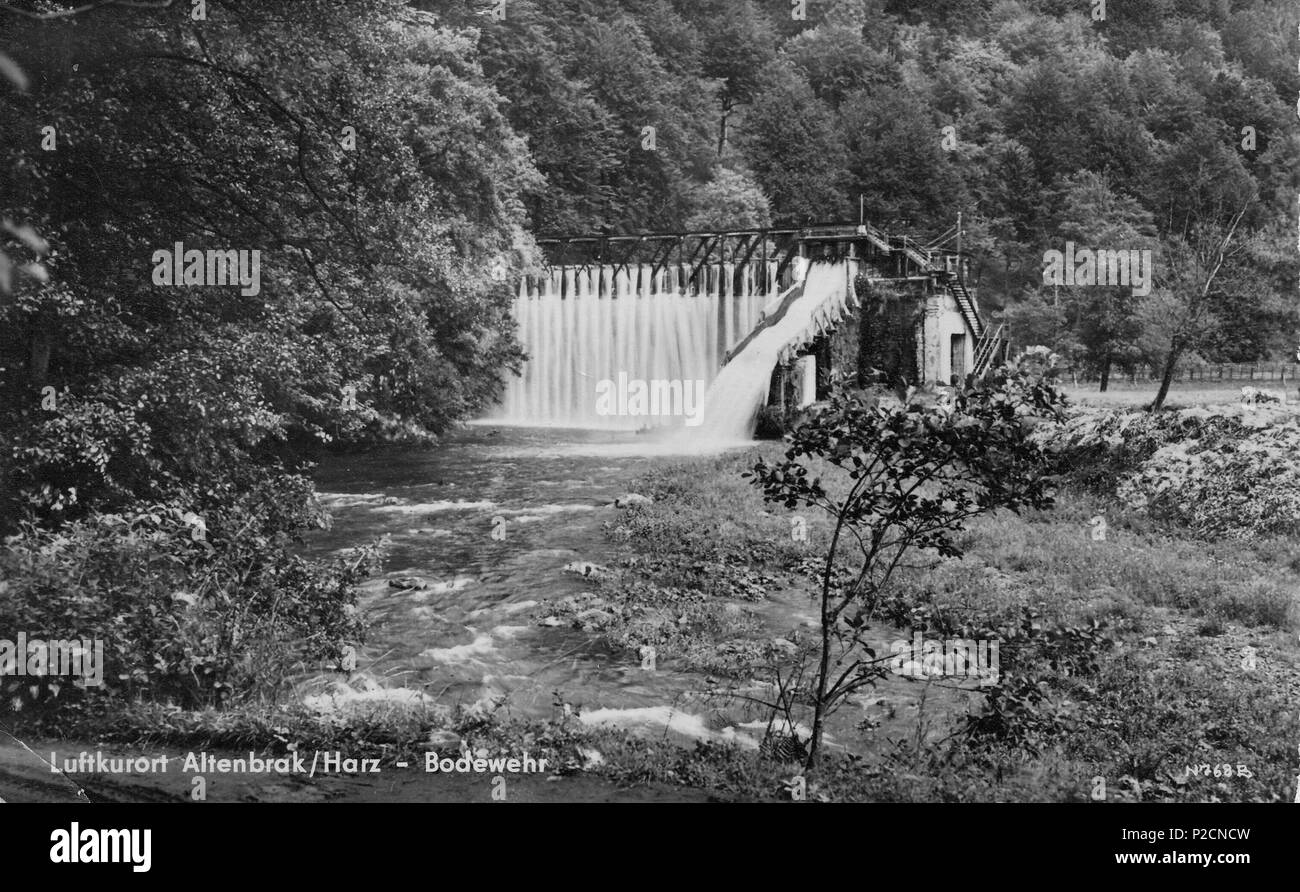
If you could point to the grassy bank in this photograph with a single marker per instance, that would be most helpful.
(1183, 618)
(1147, 673)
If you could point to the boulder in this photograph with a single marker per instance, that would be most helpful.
(585, 568)
(593, 617)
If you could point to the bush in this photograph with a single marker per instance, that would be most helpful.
(1235, 487)
(773, 423)
(1224, 474)
(901, 480)
(195, 617)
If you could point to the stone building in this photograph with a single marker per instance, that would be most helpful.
(913, 320)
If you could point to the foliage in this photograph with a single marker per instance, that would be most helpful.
(731, 200)
(197, 620)
(1239, 486)
(1115, 136)
(915, 476)
(359, 152)
(1071, 614)
(1222, 471)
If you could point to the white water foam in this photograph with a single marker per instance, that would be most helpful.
(576, 341)
(667, 717)
(732, 404)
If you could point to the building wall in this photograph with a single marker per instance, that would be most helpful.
(942, 320)
(887, 322)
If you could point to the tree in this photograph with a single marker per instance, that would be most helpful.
(572, 138)
(1037, 319)
(792, 147)
(1205, 273)
(1206, 201)
(376, 231)
(837, 62)
(897, 161)
(738, 44)
(908, 479)
(1094, 217)
(731, 200)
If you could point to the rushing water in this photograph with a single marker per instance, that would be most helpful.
(478, 632)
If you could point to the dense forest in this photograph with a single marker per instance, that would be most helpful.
(1136, 125)
(387, 159)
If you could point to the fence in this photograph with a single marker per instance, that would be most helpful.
(1277, 372)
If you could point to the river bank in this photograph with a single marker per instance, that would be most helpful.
(528, 571)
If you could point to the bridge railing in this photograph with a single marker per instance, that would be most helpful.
(689, 253)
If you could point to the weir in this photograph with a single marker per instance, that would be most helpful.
(586, 328)
(621, 330)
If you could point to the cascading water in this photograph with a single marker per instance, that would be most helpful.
(733, 402)
(627, 348)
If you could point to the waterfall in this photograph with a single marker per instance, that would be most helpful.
(627, 347)
(733, 402)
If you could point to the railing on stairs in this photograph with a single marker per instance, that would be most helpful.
(989, 340)
(875, 236)
(986, 349)
(966, 304)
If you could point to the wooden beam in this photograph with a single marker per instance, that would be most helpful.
(627, 256)
(750, 244)
(793, 294)
(792, 251)
(707, 244)
(656, 263)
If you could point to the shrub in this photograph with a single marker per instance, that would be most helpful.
(1235, 487)
(1224, 473)
(195, 618)
(904, 479)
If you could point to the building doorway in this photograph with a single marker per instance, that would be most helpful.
(957, 357)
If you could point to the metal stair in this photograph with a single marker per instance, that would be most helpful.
(989, 340)
(917, 253)
(987, 348)
(966, 304)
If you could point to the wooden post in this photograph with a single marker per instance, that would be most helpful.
(725, 289)
(681, 252)
(776, 389)
(825, 360)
